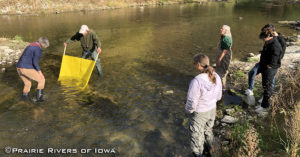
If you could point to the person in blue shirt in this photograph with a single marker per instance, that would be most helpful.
(28, 68)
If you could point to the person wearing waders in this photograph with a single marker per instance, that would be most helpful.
(224, 54)
(28, 68)
(90, 44)
(204, 92)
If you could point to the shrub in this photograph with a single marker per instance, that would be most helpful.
(286, 109)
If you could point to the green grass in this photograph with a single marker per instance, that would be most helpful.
(236, 92)
(269, 136)
(258, 91)
(252, 59)
(18, 38)
(239, 74)
(238, 132)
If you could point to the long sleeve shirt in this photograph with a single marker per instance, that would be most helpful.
(30, 57)
(203, 94)
(90, 42)
(271, 54)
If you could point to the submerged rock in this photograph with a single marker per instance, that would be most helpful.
(168, 92)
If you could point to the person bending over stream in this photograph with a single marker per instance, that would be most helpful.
(28, 68)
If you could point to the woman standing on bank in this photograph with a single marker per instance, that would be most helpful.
(28, 68)
(224, 53)
(204, 92)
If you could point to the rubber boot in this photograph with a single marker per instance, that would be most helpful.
(40, 95)
(25, 97)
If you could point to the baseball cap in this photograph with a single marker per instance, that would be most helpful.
(83, 28)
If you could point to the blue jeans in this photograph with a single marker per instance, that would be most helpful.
(93, 55)
(251, 76)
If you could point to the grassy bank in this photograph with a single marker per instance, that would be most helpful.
(278, 133)
(274, 135)
(57, 6)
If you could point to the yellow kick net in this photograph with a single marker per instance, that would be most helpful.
(75, 71)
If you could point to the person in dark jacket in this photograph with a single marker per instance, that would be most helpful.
(270, 61)
(90, 44)
(28, 68)
(256, 69)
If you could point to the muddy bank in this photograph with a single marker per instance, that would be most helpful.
(10, 51)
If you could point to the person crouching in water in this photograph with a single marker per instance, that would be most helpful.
(28, 68)
(204, 92)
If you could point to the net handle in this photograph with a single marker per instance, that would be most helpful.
(65, 49)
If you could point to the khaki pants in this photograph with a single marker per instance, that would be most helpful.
(201, 124)
(30, 74)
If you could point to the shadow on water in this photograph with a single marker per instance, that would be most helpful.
(102, 106)
(167, 75)
(51, 64)
(10, 77)
(232, 98)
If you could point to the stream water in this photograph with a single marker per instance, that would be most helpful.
(137, 108)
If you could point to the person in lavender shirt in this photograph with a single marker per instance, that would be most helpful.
(204, 92)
